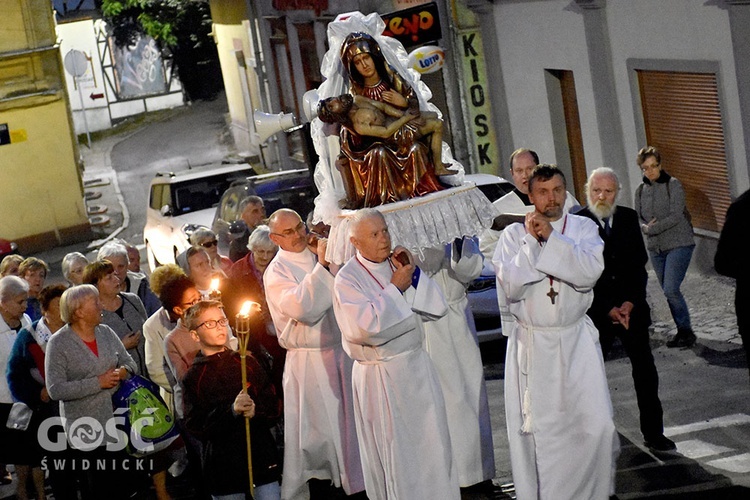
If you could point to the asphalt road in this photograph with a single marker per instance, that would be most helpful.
(185, 137)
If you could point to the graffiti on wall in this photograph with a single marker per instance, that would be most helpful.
(138, 68)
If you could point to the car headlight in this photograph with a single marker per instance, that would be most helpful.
(482, 283)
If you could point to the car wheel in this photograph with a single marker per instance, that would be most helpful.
(152, 262)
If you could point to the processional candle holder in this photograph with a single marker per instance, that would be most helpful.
(242, 329)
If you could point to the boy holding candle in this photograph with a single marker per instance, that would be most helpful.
(215, 404)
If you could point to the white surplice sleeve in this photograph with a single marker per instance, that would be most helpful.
(515, 261)
(370, 316)
(576, 259)
(466, 265)
(427, 299)
(305, 301)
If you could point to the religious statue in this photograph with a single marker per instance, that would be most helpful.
(380, 144)
(385, 152)
(371, 118)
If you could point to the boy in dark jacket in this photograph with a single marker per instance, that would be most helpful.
(215, 404)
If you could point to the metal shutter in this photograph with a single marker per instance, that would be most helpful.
(683, 120)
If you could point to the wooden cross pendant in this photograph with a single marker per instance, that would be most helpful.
(552, 294)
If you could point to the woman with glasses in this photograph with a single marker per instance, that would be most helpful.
(207, 239)
(246, 283)
(123, 312)
(660, 203)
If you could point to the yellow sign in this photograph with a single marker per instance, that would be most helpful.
(484, 154)
(19, 135)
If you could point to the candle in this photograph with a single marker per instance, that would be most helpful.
(214, 293)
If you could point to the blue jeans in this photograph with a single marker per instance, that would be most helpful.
(670, 268)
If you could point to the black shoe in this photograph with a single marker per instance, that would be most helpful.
(660, 444)
(683, 338)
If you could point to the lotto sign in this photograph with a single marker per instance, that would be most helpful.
(427, 59)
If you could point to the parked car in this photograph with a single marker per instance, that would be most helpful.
(7, 248)
(482, 292)
(287, 189)
(180, 202)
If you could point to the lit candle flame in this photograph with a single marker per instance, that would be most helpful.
(246, 307)
(214, 284)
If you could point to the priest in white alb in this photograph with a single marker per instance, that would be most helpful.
(453, 348)
(320, 440)
(380, 300)
(561, 435)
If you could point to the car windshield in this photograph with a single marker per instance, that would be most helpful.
(200, 194)
(495, 191)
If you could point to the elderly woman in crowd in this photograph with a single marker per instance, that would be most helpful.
(9, 265)
(34, 271)
(26, 381)
(13, 294)
(84, 364)
(72, 267)
(207, 239)
(246, 275)
(123, 312)
(136, 283)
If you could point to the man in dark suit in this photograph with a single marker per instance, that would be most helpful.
(619, 309)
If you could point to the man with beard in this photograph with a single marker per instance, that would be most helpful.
(620, 309)
(515, 204)
(557, 401)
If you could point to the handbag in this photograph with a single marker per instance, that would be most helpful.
(19, 416)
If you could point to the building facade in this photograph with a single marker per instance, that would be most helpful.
(40, 178)
(586, 83)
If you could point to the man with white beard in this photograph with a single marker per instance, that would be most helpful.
(620, 309)
(380, 300)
